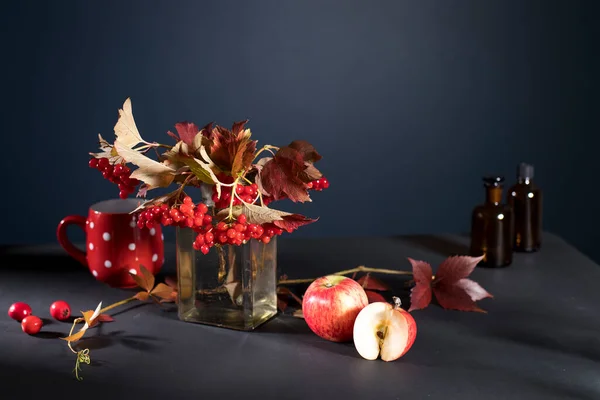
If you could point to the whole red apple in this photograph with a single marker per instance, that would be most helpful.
(330, 306)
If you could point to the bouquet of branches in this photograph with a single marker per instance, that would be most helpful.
(237, 180)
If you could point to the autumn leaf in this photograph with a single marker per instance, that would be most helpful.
(292, 222)
(369, 282)
(307, 150)
(451, 287)
(151, 172)
(107, 151)
(232, 150)
(420, 296)
(255, 214)
(90, 318)
(125, 129)
(280, 177)
(375, 297)
(154, 201)
(187, 132)
(298, 314)
(164, 292)
(144, 279)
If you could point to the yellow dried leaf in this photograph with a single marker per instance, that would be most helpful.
(126, 130)
(298, 314)
(151, 172)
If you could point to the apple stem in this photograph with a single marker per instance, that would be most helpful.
(397, 302)
(361, 268)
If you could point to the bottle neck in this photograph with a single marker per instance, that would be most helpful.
(525, 181)
(494, 195)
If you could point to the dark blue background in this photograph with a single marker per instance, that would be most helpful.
(410, 103)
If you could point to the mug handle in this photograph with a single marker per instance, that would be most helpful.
(63, 239)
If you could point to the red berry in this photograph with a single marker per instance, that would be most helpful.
(123, 194)
(203, 208)
(60, 310)
(209, 237)
(31, 324)
(241, 219)
(19, 310)
(265, 239)
(207, 220)
(187, 200)
(93, 163)
(118, 169)
(103, 163)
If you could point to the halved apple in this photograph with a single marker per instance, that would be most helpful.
(383, 329)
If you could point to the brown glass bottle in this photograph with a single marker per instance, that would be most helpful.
(525, 198)
(492, 227)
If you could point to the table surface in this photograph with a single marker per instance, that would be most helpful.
(539, 339)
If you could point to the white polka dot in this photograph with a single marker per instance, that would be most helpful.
(152, 231)
(162, 237)
(106, 236)
(133, 271)
(131, 246)
(154, 257)
(132, 223)
(91, 246)
(107, 264)
(91, 225)
(94, 273)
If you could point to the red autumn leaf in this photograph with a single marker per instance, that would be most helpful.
(292, 222)
(105, 318)
(309, 153)
(145, 280)
(451, 287)
(280, 177)
(370, 283)
(281, 302)
(420, 295)
(374, 297)
(187, 131)
(232, 150)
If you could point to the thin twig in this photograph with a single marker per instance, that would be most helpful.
(361, 268)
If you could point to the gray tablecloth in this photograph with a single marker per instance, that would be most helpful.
(540, 339)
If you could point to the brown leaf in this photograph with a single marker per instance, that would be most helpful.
(420, 295)
(107, 151)
(282, 290)
(455, 268)
(374, 297)
(105, 318)
(292, 222)
(163, 291)
(125, 129)
(171, 281)
(280, 177)
(145, 279)
(370, 283)
(232, 150)
(307, 150)
(298, 314)
(142, 296)
(282, 302)
(76, 336)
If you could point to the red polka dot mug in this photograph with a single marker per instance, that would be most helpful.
(115, 246)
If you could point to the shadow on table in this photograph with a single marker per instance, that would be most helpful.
(36, 258)
(440, 244)
(103, 340)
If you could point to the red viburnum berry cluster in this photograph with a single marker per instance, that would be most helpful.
(118, 174)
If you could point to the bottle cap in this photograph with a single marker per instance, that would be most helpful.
(493, 180)
(525, 171)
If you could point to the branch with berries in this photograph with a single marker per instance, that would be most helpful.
(237, 181)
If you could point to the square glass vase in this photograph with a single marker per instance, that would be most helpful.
(231, 287)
